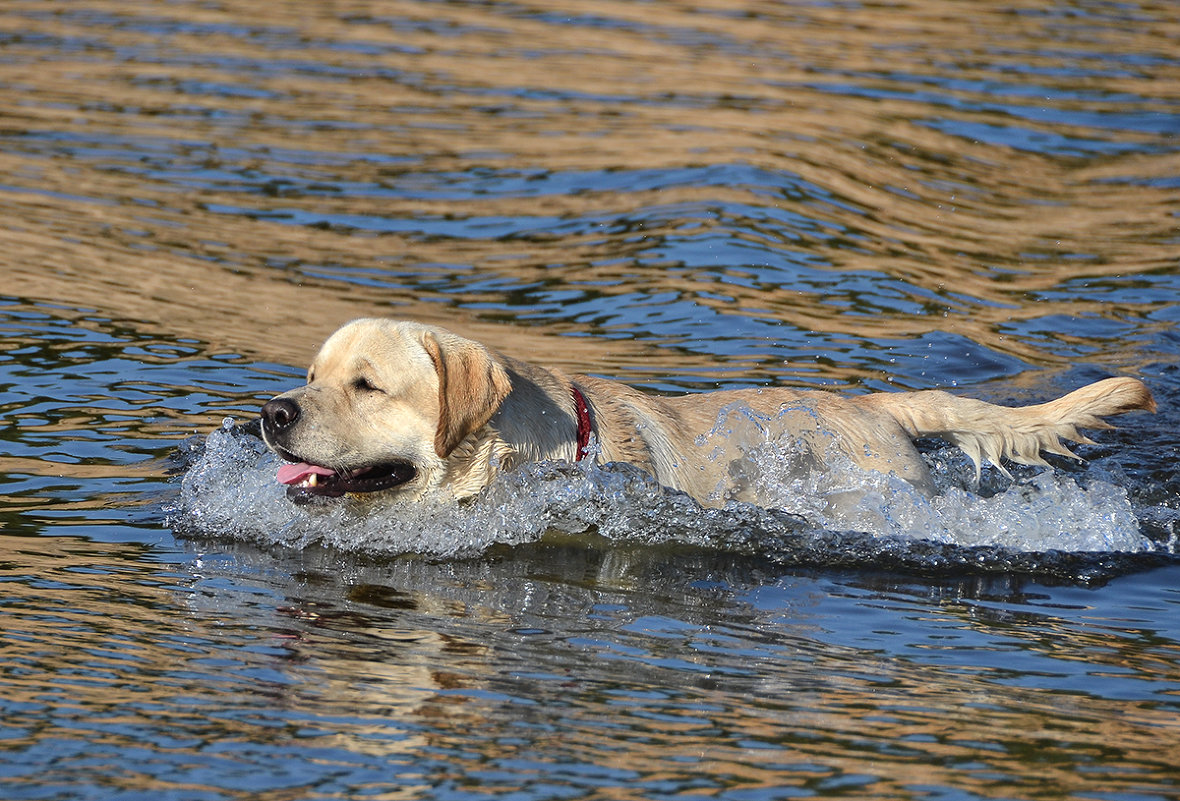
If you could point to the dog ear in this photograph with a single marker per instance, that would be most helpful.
(471, 387)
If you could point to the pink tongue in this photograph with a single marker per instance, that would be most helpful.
(294, 473)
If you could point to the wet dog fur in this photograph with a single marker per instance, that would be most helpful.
(414, 411)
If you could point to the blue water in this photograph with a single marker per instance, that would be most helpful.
(857, 198)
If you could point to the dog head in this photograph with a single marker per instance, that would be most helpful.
(385, 406)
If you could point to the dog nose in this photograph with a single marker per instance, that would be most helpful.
(280, 414)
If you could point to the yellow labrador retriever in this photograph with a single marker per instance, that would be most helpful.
(415, 411)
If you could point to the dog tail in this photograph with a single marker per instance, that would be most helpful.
(987, 431)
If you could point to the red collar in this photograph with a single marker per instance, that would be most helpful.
(582, 409)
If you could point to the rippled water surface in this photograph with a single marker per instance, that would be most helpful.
(980, 196)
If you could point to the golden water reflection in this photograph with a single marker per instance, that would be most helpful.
(421, 676)
(252, 175)
(697, 190)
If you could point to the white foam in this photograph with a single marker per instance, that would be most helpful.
(230, 490)
(1043, 511)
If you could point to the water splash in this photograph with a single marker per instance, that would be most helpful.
(228, 489)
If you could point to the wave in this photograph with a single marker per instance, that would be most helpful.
(1078, 526)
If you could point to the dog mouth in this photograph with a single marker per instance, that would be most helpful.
(306, 481)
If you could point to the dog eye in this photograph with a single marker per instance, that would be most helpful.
(365, 385)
